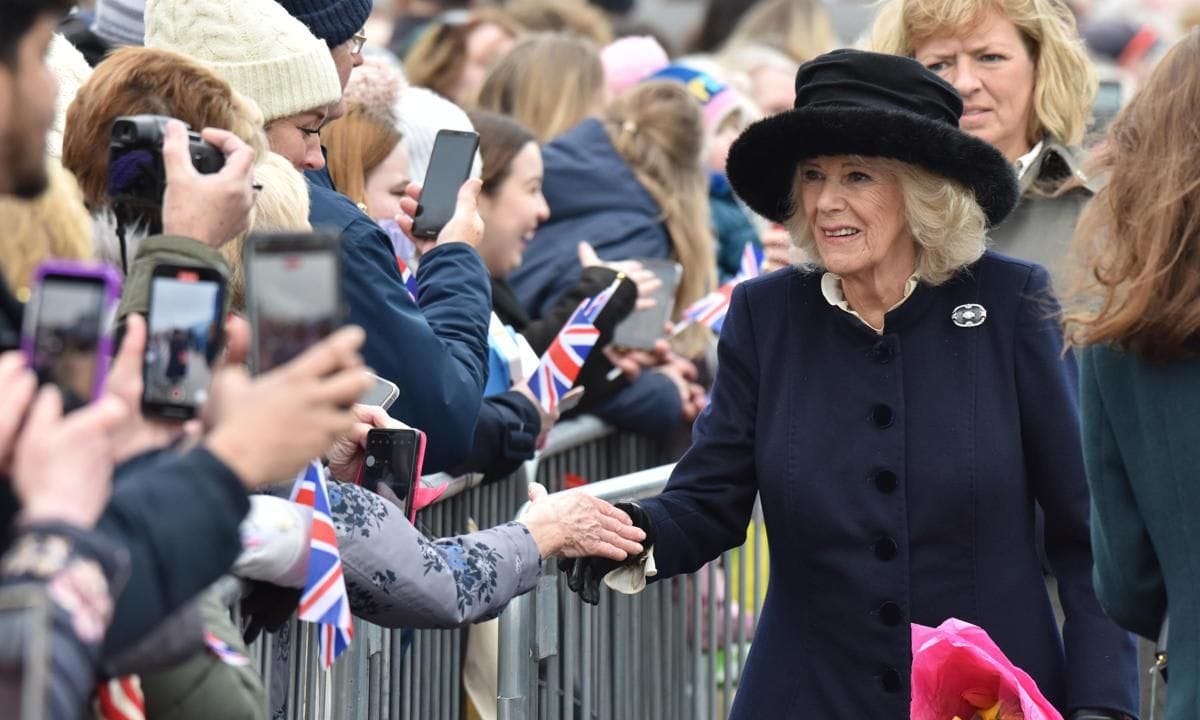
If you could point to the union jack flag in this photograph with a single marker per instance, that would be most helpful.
(324, 601)
(560, 365)
(710, 310)
(410, 279)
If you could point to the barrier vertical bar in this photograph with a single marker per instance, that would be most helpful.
(513, 680)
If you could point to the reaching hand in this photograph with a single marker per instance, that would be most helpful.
(125, 382)
(62, 465)
(346, 455)
(777, 248)
(585, 574)
(647, 282)
(265, 429)
(19, 387)
(575, 524)
(547, 418)
(215, 208)
(465, 226)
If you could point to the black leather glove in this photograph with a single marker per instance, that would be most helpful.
(1097, 714)
(267, 607)
(584, 575)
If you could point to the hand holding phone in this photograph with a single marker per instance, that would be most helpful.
(449, 168)
(184, 336)
(392, 465)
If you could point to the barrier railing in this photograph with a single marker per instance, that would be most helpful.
(379, 677)
(673, 651)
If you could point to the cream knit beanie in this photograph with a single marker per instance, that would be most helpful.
(255, 45)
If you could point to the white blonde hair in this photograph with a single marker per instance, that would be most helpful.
(946, 222)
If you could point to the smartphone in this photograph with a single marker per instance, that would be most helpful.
(184, 335)
(449, 167)
(67, 329)
(293, 294)
(392, 466)
(645, 327)
(382, 393)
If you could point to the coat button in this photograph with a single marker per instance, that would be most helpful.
(885, 481)
(886, 549)
(882, 416)
(882, 352)
(890, 680)
(890, 614)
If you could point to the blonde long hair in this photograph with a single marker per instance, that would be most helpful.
(55, 224)
(800, 29)
(657, 128)
(1065, 82)
(549, 82)
(1137, 244)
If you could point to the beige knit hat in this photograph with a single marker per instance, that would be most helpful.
(255, 45)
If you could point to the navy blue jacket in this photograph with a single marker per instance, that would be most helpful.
(898, 475)
(435, 354)
(593, 197)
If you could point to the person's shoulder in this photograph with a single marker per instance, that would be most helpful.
(1004, 273)
(775, 286)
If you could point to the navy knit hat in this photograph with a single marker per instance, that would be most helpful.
(334, 21)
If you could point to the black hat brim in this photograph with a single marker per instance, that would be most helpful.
(763, 160)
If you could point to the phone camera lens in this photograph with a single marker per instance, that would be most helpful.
(370, 461)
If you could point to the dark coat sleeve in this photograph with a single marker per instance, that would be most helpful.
(435, 354)
(1129, 579)
(178, 517)
(1101, 658)
(706, 506)
(649, 405)
(505, 436)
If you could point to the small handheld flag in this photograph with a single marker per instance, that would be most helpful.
(410, 279)
(560, 366)
(324, 600)
(710, 310)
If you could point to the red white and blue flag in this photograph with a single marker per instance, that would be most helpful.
(324, 601)
(560, 365)
(410, 279)
(224, 651)
(710, 310)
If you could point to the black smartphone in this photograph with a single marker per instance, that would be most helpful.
(449, 168)
(392, 465)
(184, 335)
(67, 330)
(293, 294)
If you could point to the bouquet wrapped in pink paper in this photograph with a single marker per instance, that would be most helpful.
(959, 673)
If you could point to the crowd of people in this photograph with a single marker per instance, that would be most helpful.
(957, 375)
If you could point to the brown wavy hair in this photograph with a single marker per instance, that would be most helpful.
(501, 140)
(134, 81)
(436, 60)
(658, 129)
(1137, 245)
(357, 143)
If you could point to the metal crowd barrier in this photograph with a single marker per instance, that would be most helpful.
(673, 651)
(377, 677)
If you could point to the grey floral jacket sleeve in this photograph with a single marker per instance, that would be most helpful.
(396, 577)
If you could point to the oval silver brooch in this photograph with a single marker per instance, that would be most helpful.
(969, 315)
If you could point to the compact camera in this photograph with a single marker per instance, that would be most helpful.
(136, 175)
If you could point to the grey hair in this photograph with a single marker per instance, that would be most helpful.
(946, 222)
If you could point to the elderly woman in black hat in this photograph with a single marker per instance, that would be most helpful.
(899, 404)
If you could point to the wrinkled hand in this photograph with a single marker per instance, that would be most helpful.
(19, 385)
(465, 226)
(267, 428)
(212, 209)
(138, 434)
(62, 465)
(647, 282)
(585, 574)
(575, 524)
(777, 248)
(346, 454)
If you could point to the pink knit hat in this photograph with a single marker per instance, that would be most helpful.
(631, 60)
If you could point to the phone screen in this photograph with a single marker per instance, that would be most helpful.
(66, 336)
(449, 168)
(645, 327)
(391, 460)
(184, 336)
(296, 303)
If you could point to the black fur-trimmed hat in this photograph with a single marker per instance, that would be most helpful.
(850, 102)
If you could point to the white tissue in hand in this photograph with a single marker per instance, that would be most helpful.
(631, 579)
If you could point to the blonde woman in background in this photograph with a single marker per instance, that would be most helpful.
(56, 224)
(1027, 87)
(456, 52)
(549, 83)
(800, 29)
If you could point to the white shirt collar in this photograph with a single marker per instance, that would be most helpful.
(1025, 162)
(831, 288)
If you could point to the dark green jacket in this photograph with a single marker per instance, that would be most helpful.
(1141, 441)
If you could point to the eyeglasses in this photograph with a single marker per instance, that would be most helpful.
(356, 43)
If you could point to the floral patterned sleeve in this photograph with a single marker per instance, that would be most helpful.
(395, 577)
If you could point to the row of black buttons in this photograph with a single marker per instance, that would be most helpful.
(886, 548)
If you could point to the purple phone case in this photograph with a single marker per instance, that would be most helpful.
(112, 296)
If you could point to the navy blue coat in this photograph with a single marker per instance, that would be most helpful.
(898, 475)
(435, 354)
